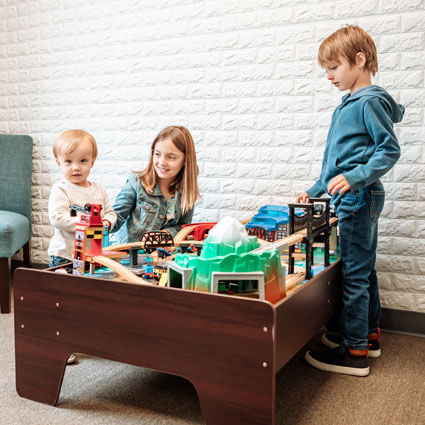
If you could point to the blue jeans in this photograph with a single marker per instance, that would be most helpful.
(358, 213)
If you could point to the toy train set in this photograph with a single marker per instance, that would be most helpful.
(197, 259)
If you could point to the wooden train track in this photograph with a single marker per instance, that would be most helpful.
(121, 271)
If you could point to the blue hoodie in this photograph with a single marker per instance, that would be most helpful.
(361, 143)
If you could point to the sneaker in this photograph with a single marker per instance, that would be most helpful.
(334, 341)
(374, 347)
(331, 328)
(71, 359)
(339, 360)
(331, 340)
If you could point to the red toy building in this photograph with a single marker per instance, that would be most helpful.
(88, 236)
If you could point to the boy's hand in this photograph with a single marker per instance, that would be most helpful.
(106, 223)
(302, 198)
(338, 184)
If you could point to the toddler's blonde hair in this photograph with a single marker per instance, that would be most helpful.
(68, 141)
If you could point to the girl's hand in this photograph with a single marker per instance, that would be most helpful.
(302, 198)
(338, 184)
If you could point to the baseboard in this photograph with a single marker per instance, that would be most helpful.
(403, 321)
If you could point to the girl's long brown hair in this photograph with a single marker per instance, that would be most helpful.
(187, 179)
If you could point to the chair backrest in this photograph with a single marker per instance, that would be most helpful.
(16, 174)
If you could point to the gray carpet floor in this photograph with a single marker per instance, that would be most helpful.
(101, 392)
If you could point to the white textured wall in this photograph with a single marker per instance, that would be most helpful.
(241, 75)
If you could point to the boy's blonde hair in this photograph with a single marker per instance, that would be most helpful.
(187, 179)
(347, 42)
(68, 141)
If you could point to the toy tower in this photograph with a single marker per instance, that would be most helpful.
(88, 236)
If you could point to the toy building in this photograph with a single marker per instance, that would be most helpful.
(270, 223)
(88, 240)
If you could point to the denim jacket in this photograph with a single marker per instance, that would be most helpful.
(139, 212)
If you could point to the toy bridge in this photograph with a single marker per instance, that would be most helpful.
(315, 225)
(153, 240)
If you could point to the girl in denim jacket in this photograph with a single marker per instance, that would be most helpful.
(162, 196)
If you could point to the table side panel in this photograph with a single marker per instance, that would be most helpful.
(223, 345)
(300, 315)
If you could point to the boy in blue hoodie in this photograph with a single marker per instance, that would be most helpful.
(360, 148)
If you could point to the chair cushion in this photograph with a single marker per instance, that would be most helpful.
(14, 233)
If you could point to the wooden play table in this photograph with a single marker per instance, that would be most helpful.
(229, 348)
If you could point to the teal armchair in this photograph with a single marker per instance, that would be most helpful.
(15, 207)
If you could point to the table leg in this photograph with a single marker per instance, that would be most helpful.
(232, 405)
(39, 370)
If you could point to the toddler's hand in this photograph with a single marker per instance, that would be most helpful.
(302, 198)
(338, 184)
